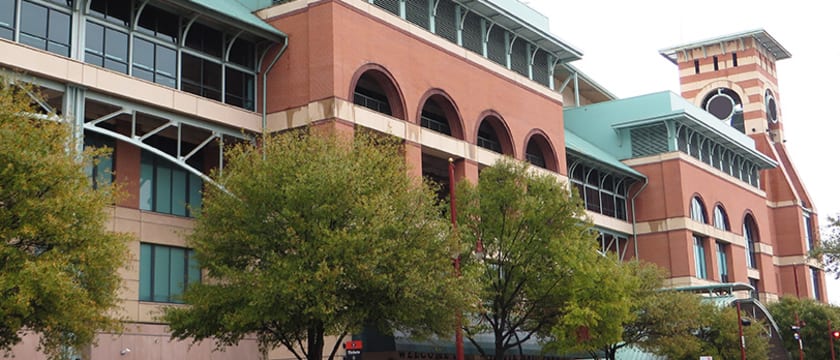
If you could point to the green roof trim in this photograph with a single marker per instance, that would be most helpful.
(586, 149)
(602, 123)
(238, 14)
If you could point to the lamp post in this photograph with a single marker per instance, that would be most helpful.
(459, 336)
(456, 261)
(741, 332)
(831, 335)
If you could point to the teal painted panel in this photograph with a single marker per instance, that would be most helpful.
(240, 12)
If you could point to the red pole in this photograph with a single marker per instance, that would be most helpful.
(831, 339)
(795, 313)
(799, 338)
(741, 332)
(459, 336)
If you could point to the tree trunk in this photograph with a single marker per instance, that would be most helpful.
(315, 342)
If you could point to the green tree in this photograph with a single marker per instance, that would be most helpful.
(314, 236)
(684, 326)
(643, 282)
(814, 317)
(58, 264)
(828, 249)
(542, 276)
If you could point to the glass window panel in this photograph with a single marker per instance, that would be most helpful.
(147, 173)
(33, 41)
(179, 192)
(161, 274)
(94, 44)
(116, 45)
(144, 54)
(163, 186)
(145, 272)
(7, 18)
(206, 39)
(116, 65)
(143, 74)
(165, 61)
(59, 49)
(159, 23)
(242, 53)
(195, 194)
(59, 27)
(33, 19)
(6, 33)
(177, 273)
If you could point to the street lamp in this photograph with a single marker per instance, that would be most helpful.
(741, 323)
(456, 261)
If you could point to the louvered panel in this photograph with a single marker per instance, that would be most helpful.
(519, 57)
(417, 12)
(392, 6)
(541, 67)
(445, 21)
(649, 140)
(472, 33)
(496, 46)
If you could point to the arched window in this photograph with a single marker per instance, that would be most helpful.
(750, 237)
(539, 151)
(720, 219)
(439, 113)
(375, 89)
(698, 211)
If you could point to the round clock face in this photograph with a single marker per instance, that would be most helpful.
(770, 108)
(721, 106)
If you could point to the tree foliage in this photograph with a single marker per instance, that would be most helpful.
(828, 249)
(643, 283)
(318, 235)
(542, 276)
(814, 317)
(58, 264)
(685, 326)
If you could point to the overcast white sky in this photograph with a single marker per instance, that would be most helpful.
(620, 41)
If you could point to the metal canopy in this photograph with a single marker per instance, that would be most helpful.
(760, 35)
(232, 13)
(498, 15)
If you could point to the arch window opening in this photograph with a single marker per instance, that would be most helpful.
(697, 211)
(534, 155)
(487, 137)
(726, 105)
(433, 118)
(369, 93)
(436, 171)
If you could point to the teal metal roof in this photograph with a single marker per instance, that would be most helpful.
(239, 15)
(586, 149)
(634, 353)
(594, 123)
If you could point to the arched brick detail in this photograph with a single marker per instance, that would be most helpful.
(386, 82)
(449, 108)
(500, 127)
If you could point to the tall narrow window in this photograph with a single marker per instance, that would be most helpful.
(720, 219)
(809, 232)
(723, 268)
(696, 66)
(165, 272)
(167, 188)
(750, 237)
(101, 169)
(734, 59)
(715, 60)
(816, 289)
(700, 257)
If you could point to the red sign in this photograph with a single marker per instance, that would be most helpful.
(353, 345)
